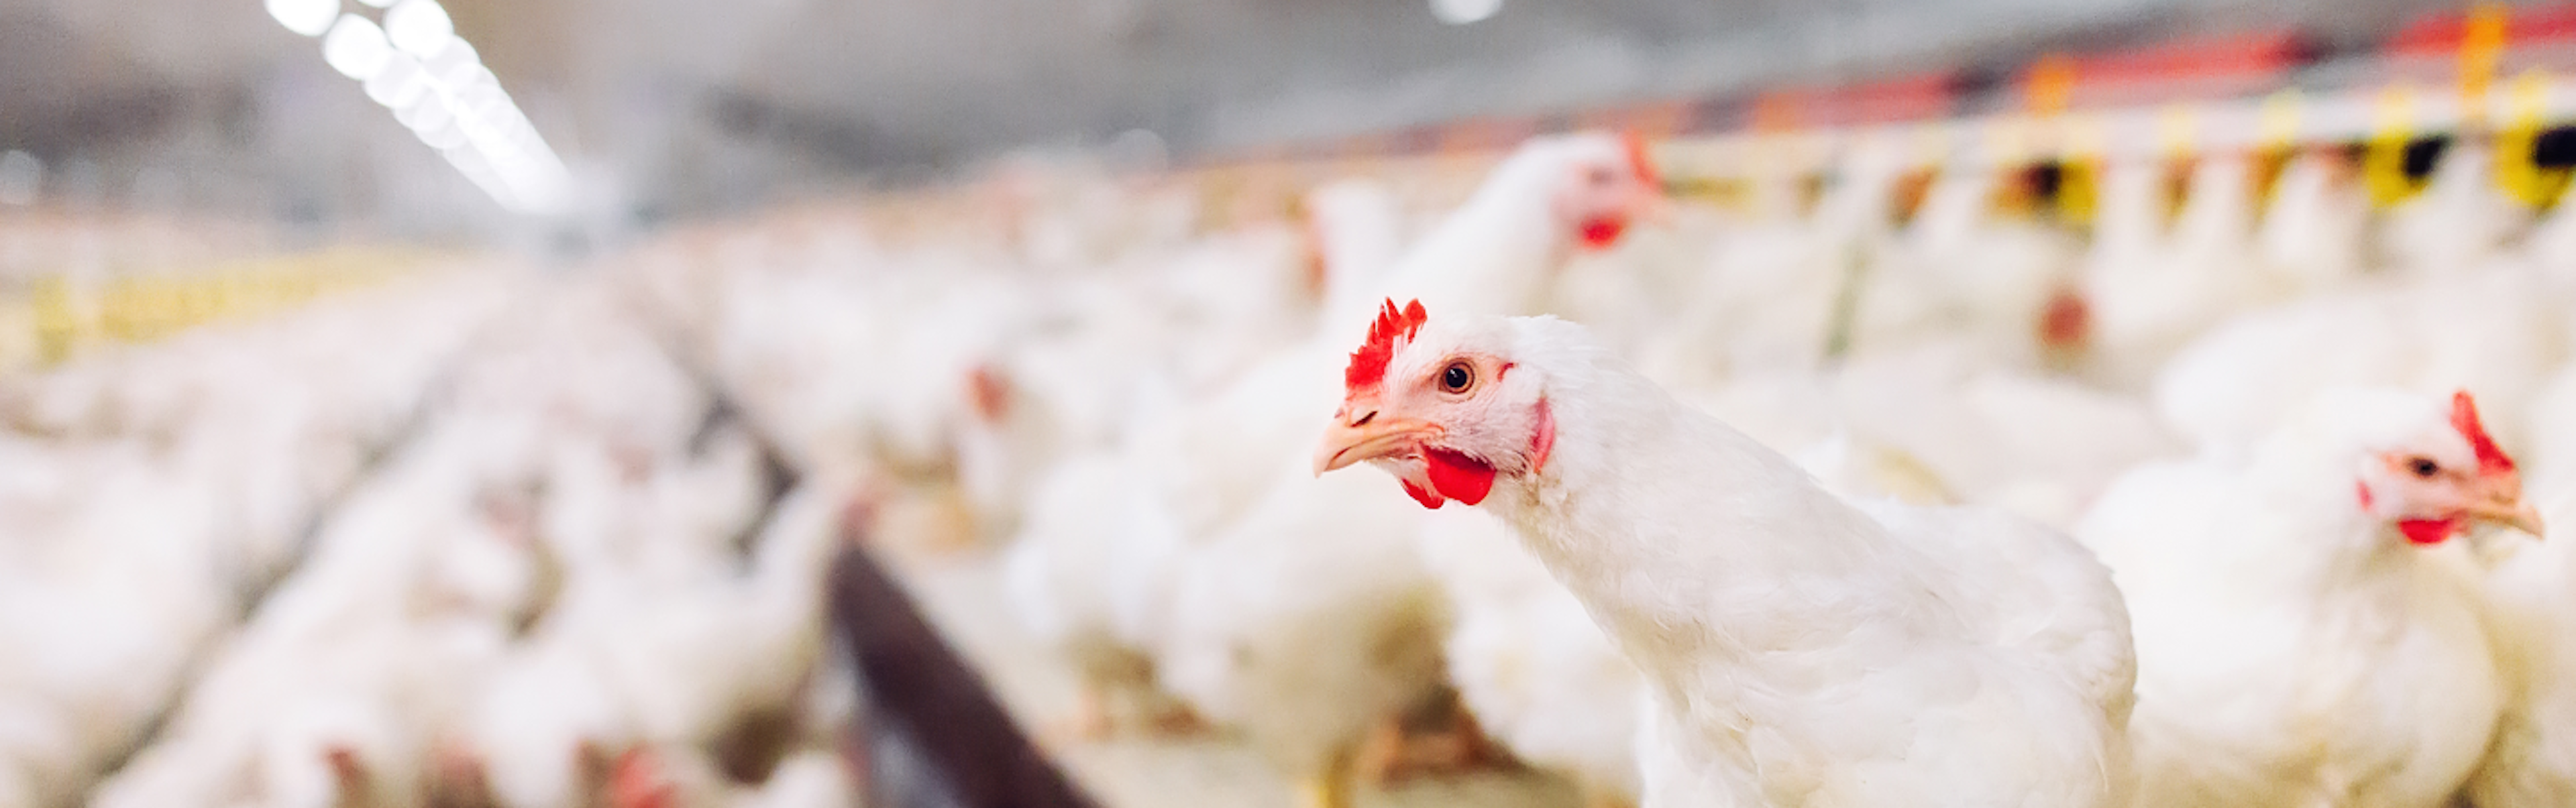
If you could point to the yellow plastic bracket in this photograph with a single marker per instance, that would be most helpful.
(2383, 166)
(2517, 171)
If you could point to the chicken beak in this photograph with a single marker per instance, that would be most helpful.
(1369, 437)
(2511, 514)
(2503, 505)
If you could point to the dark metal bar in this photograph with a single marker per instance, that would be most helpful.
(923, 697)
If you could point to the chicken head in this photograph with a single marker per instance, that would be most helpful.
(1441, 408)
(2435, 485)
(1609, 184)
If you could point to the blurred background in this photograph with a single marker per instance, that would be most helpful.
(647, 403)
(679, 108)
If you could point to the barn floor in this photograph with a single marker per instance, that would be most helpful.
(962, 595)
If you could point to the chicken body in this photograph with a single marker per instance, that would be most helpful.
(1528, 661)
(1221, 467)
(2527, 589)
(1306, 624)
(1797, 648)
(2294, 649)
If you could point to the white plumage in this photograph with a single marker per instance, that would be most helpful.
(1797, 649)
(2293, 648)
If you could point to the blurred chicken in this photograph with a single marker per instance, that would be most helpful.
(1210, 465)
(2301, 639)
(2148, 298)
(1530, 664)
(2526, 588)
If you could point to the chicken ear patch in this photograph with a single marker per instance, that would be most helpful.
(2464, 417)
(1542, 436)
(1458, 476)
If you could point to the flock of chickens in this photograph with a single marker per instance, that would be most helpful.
(1897, 487)
(1904, 486)
(476, 537)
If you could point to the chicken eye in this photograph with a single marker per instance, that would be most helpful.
(1457, 377)
(2423, 467)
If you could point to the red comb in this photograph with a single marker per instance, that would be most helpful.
(636, 781)
(1640, 160)
(1368, 364)
(2464, 417)
(989, 393)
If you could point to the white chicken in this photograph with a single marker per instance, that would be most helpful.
(1194, 472)
(2526, 588)
(1796, 648)
(2299, 640)
(1306, 625)
(1344, 582)
(2490, 330)
(2311, 238)
(1090, 579)
(1529, 663)
(2149, 302)
(2459, 221)
(1966, 271)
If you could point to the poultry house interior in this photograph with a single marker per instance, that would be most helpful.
(1137, 403)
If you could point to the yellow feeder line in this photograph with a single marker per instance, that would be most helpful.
(2383, 166)
(58, 319)
(2516, 169)
(19, 348)
(2079, 191)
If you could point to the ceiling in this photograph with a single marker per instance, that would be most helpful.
(708, 104)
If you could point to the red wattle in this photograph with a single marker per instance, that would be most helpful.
(1428, 499)
(1601, 233)
(1458, 476)
(2427, 531)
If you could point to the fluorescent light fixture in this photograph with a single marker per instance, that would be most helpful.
(437, 86)
(447, 59)
(307, 17)
(427, 112)
(399, 83)
(1462, 12)
(419, 27)
(356, 47)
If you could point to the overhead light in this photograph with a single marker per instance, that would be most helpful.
(455, 55)
(419, 27)
(356, 47)
(437, 86)
(307, 17)
(399, 83)
(1462, 12)
(427, 112)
